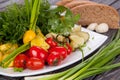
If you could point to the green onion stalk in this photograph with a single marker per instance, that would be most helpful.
(33, 8)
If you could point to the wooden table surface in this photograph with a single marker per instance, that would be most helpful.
(110, 75)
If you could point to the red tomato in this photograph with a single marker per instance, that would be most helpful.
(27, 53)
(53, 59)
(38, 53)
(20, 61)
(69, 48)
(35, 63)
(62, 51)
(51, 42)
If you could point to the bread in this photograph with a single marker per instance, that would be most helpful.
(64, 2)
(75, 3)
(97, 13)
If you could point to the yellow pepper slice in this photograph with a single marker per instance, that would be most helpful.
(40, 42)
(38, 31)
(28, 36)
(5, 47)
(1, 55)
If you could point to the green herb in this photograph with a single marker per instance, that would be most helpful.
(13, 23)
(51, 20)
(18, 69)
(80, 48)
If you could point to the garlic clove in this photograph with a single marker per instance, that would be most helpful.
(102, 28)
(92, 26)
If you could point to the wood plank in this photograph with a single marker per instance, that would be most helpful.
(52, 2)
(108, 2)
(96, 1)
(2, 1)
(116, 4)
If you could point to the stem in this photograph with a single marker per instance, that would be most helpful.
(72, 71)
(34, 14)
(54, 76)
(118, 35)
(27, 8)
(97, 71)
(31, 4)
(111, 55)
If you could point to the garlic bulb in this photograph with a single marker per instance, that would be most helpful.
(102, 28)
(92, 26)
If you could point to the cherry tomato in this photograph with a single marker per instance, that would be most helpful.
(20, 61)
(51, 42)
(27, 53)
(54, 59)
(35, 63)
(38, 52)
(62, 51)
(69, 48)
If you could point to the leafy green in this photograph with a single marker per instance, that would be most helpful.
(13, 23)
(51, 20)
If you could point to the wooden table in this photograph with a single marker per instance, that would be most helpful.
(110, 75)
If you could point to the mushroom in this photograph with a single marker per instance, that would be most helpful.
(102, 28)
(58, 37)
(92, 26)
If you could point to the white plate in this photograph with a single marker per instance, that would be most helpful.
(95, 41)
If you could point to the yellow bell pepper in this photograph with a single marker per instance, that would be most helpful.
(38, 31)
(40, 42)
(11, 49)
(28, 36)
(1, 56)
(5, 47)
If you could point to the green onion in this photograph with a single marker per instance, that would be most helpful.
(97, 71)
(34, 14)
(27, 8)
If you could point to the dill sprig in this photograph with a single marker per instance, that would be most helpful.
(13, 23)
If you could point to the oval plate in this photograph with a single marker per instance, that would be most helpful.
(95, 41)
